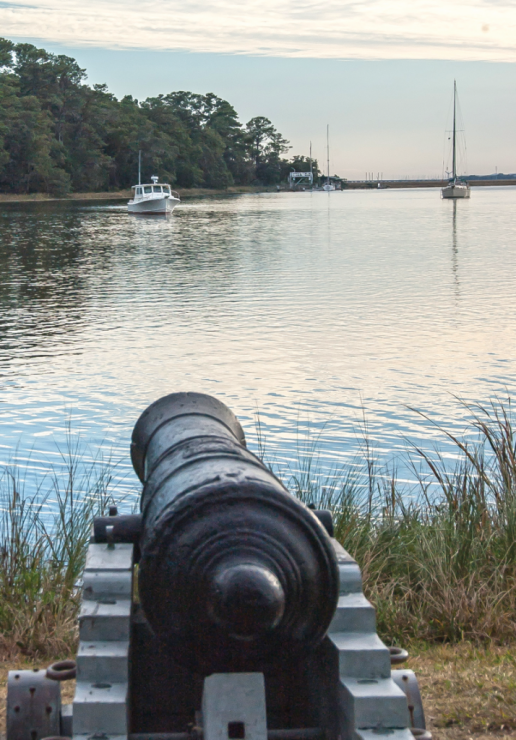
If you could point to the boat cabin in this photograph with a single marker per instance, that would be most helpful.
(141, 191)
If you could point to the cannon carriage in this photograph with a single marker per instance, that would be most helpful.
(225, 610)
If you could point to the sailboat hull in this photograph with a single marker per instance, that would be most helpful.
(456, 191)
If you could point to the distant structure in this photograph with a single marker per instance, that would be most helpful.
(300, 179)
(338, 182)
(497, 176)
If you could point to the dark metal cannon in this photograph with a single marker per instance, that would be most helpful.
(235, 573)
(225, 610)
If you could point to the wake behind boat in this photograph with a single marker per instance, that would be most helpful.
(153, 198)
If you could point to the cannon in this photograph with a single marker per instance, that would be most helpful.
(224, 610)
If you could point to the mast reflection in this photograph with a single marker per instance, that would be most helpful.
(455, 253)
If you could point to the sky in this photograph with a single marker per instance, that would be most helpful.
(379, 72)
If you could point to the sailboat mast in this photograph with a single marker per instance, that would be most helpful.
(328, 150)
(139, 167)
(311, 176)
(454, 134)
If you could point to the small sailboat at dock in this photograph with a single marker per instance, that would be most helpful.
(456, 188)
(328, 186)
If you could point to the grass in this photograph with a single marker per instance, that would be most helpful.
(467, 690)
(43, 539)
(438, 558)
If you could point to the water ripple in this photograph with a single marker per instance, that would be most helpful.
(306, 308)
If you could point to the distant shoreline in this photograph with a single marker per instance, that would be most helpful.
(186, 193)
(384, 184)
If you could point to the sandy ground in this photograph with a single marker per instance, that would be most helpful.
(467, 692)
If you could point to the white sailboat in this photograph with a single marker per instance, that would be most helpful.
(152, 198)
(456, 188)
(328, 186)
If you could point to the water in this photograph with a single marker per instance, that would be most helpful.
(309, 310)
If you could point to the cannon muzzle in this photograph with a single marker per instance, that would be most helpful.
(235, 573)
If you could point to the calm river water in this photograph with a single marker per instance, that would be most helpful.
(308, 310)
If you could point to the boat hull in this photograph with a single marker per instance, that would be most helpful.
(153, 205)
(456, 191)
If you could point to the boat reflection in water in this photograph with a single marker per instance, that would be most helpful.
(152, 216)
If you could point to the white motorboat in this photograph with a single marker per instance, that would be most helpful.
(456, 188)
(153, 198)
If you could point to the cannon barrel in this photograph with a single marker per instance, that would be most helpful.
(235, 573)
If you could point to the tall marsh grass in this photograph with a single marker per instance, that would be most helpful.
(43, 539)
(438, 557)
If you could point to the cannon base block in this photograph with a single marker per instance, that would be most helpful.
(130, 688)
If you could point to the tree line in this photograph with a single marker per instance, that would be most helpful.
(60, 135)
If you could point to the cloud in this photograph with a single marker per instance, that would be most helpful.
(341, 29)
(14, 5)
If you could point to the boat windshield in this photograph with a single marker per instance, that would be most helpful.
(166, 189)
(138, 191)
(156, 188)
(147, 189)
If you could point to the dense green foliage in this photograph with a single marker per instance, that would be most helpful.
(58, 134)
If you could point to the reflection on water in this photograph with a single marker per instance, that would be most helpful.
(302, 307)
(151, 216)
(455, 251)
